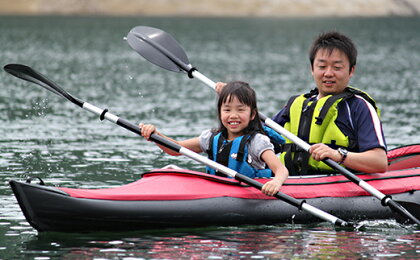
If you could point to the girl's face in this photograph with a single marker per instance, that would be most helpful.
(235, 116)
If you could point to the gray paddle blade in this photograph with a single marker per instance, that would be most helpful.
(158, 47)
(28, 74)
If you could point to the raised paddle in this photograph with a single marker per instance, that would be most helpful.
(27, 73)
(161, 49)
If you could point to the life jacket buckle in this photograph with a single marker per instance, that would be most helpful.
(319, 120)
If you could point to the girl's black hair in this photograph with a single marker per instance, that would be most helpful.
(246, 95)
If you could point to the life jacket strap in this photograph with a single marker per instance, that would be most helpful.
(245, 140)
(223, 146)
(306, 119)
(210, 149)
(330, 101)
(364, 95)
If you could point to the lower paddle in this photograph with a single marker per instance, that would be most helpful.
(28, 74)
(161, 49)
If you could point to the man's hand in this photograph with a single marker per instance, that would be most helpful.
(321, 151)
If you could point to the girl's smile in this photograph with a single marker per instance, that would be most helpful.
(235, 116)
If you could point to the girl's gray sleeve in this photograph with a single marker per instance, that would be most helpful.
(205, 139)
(259, 144)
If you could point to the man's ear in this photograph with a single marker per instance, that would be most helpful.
(352, 71)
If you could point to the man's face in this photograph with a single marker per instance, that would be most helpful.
(331, 72)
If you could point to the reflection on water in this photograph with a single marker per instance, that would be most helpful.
(43, 135)
(274, 242)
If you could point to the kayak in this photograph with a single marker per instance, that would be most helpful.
(180, 198)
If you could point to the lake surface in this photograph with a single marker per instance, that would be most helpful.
(45, 136)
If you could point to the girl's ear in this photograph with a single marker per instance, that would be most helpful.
(253, 114)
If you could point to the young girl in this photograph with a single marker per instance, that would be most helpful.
(240, 142)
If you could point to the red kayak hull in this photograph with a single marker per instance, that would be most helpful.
(174, 198)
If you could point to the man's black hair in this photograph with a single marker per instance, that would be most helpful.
(331, 41)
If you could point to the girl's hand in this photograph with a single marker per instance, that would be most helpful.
(280, 173)
(147, 130)
(271, 187)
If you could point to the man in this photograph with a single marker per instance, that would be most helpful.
(340, 122)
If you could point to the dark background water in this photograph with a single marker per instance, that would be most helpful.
(43, 135)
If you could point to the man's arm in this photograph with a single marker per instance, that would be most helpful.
(370, 141)
(371, 161)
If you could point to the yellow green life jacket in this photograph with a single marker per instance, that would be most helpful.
(314, 122)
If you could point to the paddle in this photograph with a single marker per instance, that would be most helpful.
(163, 50)
(28, 74)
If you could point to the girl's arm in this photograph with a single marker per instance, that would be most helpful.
(192, 144)
(280, 173)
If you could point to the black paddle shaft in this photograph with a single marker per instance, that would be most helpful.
(153, 137)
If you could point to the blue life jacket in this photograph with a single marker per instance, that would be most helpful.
(275, 137)
(234, 155)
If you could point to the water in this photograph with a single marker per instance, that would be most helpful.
(49, 137)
